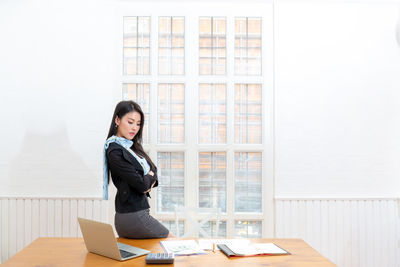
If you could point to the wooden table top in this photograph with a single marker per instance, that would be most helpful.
(60, 252)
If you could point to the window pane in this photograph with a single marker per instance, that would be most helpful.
(212, 113)
(248, 113)
(248, 229)
(212, 46)
(171, 49)
(248, 181)
(170, 190)
(140, 93)
(248, 46)
(171, 226)
(210, 228)
(212, 180)
(171, 113)
(136, 45)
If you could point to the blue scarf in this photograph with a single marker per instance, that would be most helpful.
(125, 143)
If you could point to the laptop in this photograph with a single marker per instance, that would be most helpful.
(99, 239)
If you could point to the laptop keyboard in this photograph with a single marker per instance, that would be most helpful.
(125, 254)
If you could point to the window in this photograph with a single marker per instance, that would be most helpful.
(248, 113)
(248, 46)
(248, 181)
(212, 113)
(171, 113)
(212, 180)
(136, 45)
(212, 46)
(170, 181)
(141, 93)
(171, 46)
(200, 82)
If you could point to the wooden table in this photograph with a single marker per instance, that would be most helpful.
(59, 252)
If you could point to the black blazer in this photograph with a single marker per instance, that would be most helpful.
(129, 179)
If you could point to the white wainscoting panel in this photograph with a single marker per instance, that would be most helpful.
(22, 220)
(349, 232)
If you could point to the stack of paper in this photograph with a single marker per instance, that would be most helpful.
(182, 247)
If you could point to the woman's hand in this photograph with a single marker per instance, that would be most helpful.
(147, 191)
(151, 173)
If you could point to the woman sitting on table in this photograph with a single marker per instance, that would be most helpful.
(133, 174)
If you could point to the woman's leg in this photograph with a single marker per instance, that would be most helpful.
(139, 224)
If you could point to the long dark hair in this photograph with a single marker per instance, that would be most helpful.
(121, 109)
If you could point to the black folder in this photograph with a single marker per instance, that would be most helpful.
(224, 248)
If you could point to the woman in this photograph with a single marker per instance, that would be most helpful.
(133, 174)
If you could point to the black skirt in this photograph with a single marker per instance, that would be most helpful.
(139, 224)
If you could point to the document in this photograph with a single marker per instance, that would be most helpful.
(252, 249)
(182, 247)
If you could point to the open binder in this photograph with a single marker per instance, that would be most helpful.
(252, 249)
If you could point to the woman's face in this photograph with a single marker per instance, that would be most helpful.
(128, 125)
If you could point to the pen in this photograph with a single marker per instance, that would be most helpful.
(214, 247)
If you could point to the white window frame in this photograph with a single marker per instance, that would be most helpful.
(191, 80)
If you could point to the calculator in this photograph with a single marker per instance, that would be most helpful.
(160, 258)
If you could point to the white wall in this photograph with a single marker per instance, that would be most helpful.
(57, 65)
(337, 99)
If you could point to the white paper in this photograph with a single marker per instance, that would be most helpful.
(182, 247)
(257, 249)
